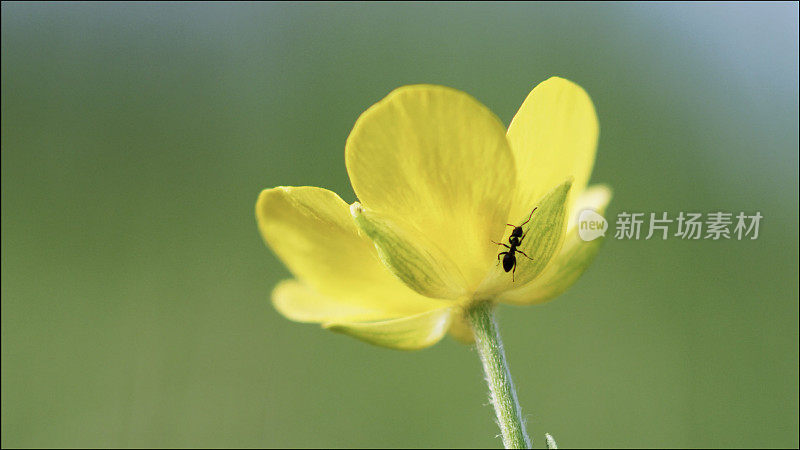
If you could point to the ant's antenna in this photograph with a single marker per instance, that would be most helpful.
(529, 216)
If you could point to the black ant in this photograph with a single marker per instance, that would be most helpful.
(509, 260)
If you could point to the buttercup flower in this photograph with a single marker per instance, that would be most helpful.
(438, 179)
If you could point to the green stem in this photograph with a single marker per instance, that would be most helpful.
(498, 377)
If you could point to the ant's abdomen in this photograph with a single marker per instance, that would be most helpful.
(508, 262)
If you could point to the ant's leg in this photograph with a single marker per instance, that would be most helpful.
(520, 251)
(524, 234)
(513, 271)
(500, 243)
(498, 258)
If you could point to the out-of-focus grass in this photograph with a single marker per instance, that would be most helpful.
(135, 139)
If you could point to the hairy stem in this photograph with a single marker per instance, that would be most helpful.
(498, 377)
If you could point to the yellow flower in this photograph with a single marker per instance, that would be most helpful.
(439, 178)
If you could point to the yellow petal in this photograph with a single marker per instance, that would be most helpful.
(553, 137)
(595, 197)
(407, 333)
(300, 303)
(311, 231)
(439, 161)
(413, 259)
(460, 329)
(574, 258)
(542, 239)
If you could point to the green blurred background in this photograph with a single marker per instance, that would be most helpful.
(135, 286)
